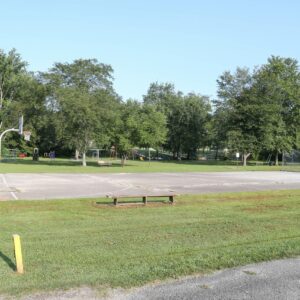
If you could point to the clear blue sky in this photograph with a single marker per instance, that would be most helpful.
(187, 42)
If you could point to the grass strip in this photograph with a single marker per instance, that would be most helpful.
(70, 243)
(132, 166)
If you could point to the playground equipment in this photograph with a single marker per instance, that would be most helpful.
(96, 153)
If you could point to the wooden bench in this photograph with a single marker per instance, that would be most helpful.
(144, 197)
(104, 163)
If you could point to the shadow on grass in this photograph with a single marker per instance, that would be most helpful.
(60, 163)
(8, 261)
(129, 202)
(117, 164)
(197, 162)
(233, 163)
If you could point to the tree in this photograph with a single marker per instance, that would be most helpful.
(20, 94)
(187, 118)
(162, 96)
(196, 117)
(237, 102)
(140, 125)
(82, 95)
(246, 119)
(12, 75)
(277, 88)
(187, 124)
(152, 127)
(126, 133)
(218, 129)
(79, 119)
(29, 101)
(262, 107)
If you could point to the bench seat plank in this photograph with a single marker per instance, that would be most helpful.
(143, 196)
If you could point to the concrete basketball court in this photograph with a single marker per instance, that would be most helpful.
(57, 186)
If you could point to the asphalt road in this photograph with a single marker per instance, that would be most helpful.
(269, 281)
(55, 186)
(274, 280)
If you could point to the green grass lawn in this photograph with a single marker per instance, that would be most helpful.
(68, 166)
(68, 243)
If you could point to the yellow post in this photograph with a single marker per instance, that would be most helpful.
(18, 253)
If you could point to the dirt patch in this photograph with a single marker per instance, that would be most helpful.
(130, 205)
(74, 294)
(79, 293)
(252, 198)
(262, 208)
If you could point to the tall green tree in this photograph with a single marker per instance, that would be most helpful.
(140, 125)
(162, 96)
(187, 118)
(152, 127)
(236, 104)
(188, 125)
(277, 89)
(20, 94)
(82, 95)
(196, 110)
(218, 129)
(79, 119)
(13, 73)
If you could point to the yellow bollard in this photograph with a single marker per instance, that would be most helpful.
(18, 253)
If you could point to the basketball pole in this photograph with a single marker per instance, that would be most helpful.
(2, 134)
(20, 130)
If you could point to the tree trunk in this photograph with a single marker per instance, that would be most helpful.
(76, 154)
(83, 159)
(276, 159)
(245, 156)
(217, 153)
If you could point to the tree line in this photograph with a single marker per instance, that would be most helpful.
(73, 107)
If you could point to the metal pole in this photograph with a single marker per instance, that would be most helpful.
(18, 253)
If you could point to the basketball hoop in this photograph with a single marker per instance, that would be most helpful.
(27, 135)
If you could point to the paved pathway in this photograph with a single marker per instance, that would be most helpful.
(54, 186)
(275, 280)
(268, 281)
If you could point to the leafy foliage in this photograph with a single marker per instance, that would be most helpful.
(73, 106)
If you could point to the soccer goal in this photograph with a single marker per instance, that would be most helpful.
(291, 161)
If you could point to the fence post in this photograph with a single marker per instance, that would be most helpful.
(18, 253)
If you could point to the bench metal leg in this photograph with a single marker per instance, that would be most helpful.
(145, 200)
(171, 199)
(115, 201)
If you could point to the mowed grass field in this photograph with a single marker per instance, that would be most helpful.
(68, 243)
(132, 166)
